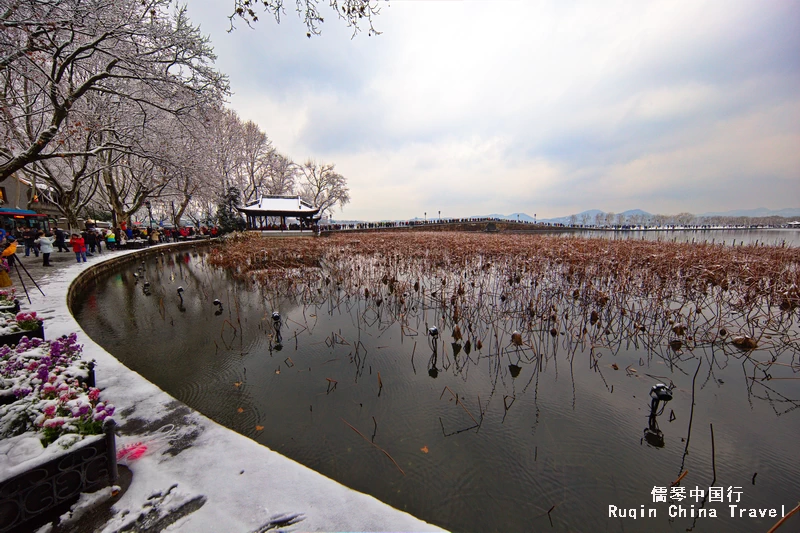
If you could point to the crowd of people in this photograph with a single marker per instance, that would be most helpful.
(90, 241)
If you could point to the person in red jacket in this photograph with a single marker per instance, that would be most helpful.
(79, 247)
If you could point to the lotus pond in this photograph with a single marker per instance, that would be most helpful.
(488, 382)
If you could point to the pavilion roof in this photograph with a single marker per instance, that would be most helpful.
(279, 205)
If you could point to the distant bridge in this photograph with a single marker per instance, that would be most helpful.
(480, 225)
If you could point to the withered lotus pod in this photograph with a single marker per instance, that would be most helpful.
(516, 338)
(745, 342)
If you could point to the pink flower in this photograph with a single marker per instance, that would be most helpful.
(94, 394)
(54, 423)
(50, 410)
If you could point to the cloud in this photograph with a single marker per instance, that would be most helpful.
(546, 107)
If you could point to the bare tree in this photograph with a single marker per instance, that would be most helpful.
(71, 182)
(254, 169)
(599, 218)
(129, 182)
(685, 219)
(226, 147)
(53, 53)
(322, 186)
(282, 174)
(353, 12)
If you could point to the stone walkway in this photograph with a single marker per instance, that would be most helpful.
(39, 273)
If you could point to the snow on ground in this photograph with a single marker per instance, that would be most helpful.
(25, 452)
(192, 474)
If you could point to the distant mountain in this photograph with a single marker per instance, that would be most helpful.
(633, 212)
(755, 213)
(513, 216)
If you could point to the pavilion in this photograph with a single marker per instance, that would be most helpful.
(260, 211)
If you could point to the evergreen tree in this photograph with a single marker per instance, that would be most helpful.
(228, 218)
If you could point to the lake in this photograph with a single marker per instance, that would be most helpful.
(527, 408)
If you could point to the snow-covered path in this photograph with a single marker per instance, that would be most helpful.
(195, 473)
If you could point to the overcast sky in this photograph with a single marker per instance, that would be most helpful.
(546, 107)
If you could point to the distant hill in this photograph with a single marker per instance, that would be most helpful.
(753, 213)
(513, 216)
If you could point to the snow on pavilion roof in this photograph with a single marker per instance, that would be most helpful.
(275, 205)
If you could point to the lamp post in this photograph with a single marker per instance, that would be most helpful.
(149, 213)
(426, 217)
(440, 217)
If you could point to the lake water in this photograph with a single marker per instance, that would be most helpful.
(469, 439)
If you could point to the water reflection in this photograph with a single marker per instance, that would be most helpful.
(528, 409)
(660, 394)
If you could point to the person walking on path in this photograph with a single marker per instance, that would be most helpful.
(29, 237)
(91, 240)
(60, 240)
(79, 247)
(86, 242)
(45, 243)
(111, 240)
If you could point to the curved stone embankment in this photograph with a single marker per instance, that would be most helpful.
(196, 474)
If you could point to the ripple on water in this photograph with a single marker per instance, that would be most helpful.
(563, 440)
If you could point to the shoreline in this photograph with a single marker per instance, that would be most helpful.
(209, 478)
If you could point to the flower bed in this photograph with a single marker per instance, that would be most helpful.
(8, 301)
(32, 367)
(50, 430)
(14, 327)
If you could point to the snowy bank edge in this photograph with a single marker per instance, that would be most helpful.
(245, 484)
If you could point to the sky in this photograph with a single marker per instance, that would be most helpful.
(548, 107)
